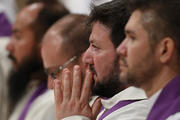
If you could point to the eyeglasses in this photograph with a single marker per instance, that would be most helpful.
(53, 74)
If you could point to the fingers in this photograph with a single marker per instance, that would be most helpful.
(76, 87)
(96, 107)
(66, 79)
(77, 93)
(57, 91)
(74, 96)
(86, 90)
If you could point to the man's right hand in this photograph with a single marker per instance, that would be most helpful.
(72, 98)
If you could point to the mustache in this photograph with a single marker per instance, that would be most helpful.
(92, 69)
(124, 61)
(10, 56)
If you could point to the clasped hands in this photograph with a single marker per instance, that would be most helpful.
(72, 95)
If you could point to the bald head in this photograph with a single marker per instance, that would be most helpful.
(66, 36)
(24, 47)
(64, 40)
(73, 33)
(28, 14)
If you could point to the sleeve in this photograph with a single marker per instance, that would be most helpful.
(76, 117)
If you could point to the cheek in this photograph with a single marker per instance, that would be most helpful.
(104, 64)
(98, 63)
(133, 56)
(24, 49)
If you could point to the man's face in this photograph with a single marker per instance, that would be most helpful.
(137, 61)
(101, 58)
(22, 43)
(53, 54)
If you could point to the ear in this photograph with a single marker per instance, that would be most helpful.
(166, 49)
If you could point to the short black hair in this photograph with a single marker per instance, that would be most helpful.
(114, 15)
(165, 19)
(27, 2)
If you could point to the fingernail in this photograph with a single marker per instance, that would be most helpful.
(88, 71)
(65, 70)
(76, 67)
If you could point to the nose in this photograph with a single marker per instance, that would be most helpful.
(10, 46)
(87, 57)
(122, 48)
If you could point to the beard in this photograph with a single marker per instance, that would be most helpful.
(111, 84)
(19, 79)
(143, 72)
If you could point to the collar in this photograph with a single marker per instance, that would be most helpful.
(153, 99)
(130, 93)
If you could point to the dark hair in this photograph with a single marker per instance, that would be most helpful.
(74, 33)
(114, 15)
(44, 1)
(47, 16)
(165, 19)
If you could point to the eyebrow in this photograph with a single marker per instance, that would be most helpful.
(15, 31)
(92, 40)
(129, 32)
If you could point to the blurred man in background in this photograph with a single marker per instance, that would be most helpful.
(27, 82)
(64, 44)
(5, 63)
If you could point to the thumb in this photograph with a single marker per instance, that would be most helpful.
(96, 107)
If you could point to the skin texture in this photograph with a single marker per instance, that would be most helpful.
(136, 61)
(52, 53)
(56, 49)
(101, 49)
(142, 65)
(69, 95)
(22, 43)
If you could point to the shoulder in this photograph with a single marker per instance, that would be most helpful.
(42, 108)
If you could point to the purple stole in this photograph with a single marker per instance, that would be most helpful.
(5, 25)
(120, 104)
(39, 91)
(168, 102)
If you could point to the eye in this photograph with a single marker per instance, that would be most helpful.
(17, 36)
(94, 47)
(130, 38)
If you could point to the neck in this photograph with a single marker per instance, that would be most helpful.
(158, 82)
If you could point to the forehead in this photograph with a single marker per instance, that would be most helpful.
(135, 25)
(100, 33)
(53, 36)
(52, 49)
(27, 15)
(21, 23)
(134, 21)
